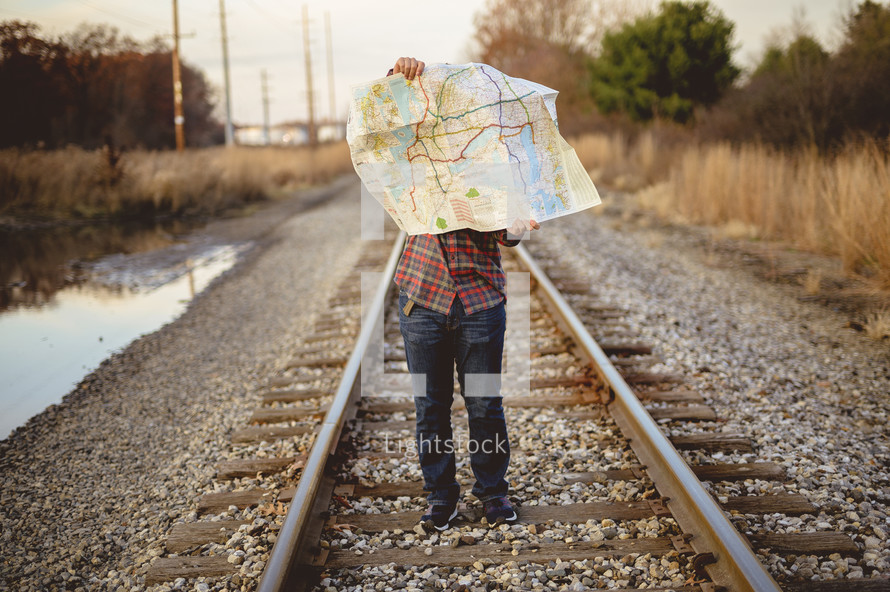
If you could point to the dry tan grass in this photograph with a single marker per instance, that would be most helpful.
(622, 163)
(812, 281)
(737, 230)
(76, 182)
(877, 324)
(837, 206)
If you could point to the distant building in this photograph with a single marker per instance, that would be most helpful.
(287, 134)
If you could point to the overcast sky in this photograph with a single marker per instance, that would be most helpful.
(367, 37)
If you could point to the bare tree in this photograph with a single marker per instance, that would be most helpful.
(574, 26)
(550, 41)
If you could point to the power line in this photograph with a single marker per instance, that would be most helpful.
(125, 17)
(280, 22)
(19, 13)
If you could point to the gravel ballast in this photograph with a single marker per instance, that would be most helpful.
(809, 391)
(90, 487)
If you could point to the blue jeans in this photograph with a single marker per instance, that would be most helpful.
(434, 344)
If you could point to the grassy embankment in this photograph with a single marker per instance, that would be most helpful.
(837, 206)
(76, 183)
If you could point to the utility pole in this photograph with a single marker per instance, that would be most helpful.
(313, 136)
(264, 81)
(327, 31)
(230, 130)
(178, 117)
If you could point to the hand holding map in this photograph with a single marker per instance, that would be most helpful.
(464, 146)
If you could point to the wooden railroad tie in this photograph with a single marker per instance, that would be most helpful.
(184, 537)
(845, 585)
(293, 395)
(537, 553)
(326, 336)
(678, 396)
(636, 378)
(572, 513)
(381, 405)
(637, 361)
(582, 512)
(165, 569)
(287, 414)
(683, 413)
(625, 348)
(214, 503)
(250, 467)
(576, 287)
(187, 536)
(805, 543)
(713, 442)
(318, 362)
(269, 433)
(766, 471)
(790, 504)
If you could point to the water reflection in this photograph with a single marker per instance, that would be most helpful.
(46, 350)
(36, 263)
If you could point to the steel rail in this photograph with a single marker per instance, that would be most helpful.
(278, 571)
(734, 564)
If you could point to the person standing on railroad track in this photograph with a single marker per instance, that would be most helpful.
(452, 314)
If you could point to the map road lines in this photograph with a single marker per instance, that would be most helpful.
(464, 147)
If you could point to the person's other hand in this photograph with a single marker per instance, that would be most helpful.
(410, 67)
(520, 227)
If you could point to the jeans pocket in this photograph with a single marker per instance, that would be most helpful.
(485, 326)
(420, 327)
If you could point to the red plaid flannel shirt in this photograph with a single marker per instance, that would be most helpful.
(464, 263)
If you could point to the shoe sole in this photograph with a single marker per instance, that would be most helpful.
(503, 520)
(430, 525)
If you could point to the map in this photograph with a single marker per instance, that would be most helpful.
(464, 146)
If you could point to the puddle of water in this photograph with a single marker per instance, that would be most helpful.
(36, 263)
(45, 351)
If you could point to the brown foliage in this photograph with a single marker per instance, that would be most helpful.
(803, 96)
(103, 183)
(550, 42)
(93, 85)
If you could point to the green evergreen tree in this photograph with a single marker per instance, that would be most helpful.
(862, 70)
(666, 64)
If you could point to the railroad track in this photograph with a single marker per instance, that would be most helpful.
(595, 478)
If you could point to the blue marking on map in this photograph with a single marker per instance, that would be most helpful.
(526, 136)
(405, 136)
(481, 139)
(457, 168)
(550, 202)
(400, 94)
